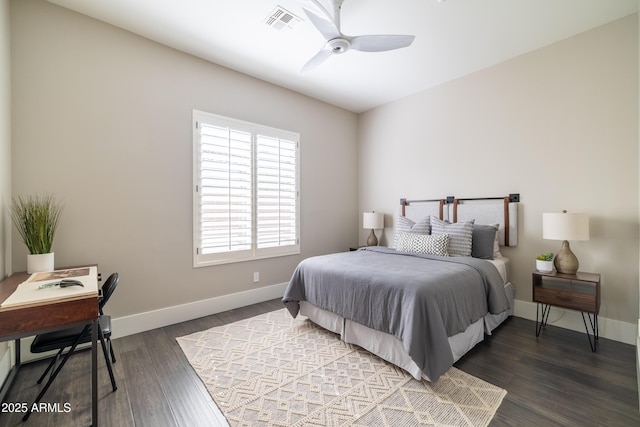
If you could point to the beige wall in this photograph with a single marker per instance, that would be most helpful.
(5, 150)
(102, 119)
(558, 125)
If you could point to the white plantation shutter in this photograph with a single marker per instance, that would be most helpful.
(276, 192)
(225, 189)
(246, 191)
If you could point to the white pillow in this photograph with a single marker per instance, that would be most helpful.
(423, 243)
(496, 243)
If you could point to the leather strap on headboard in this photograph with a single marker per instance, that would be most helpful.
(506, 221)
(455, 210)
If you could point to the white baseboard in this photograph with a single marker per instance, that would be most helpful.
(571, 319)
(141, 322)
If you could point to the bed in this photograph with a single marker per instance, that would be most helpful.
(425, 301)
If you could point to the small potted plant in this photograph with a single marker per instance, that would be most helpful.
(36, 218)
(544, 262)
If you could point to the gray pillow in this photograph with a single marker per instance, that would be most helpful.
(482, 240)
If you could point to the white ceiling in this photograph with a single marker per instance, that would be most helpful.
(453, 38)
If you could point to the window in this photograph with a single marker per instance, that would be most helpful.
(246, 197)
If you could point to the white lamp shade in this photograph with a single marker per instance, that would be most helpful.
(372, 220)
(565, 226)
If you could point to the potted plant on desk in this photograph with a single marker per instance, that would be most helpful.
(36, 219)
(544, 262)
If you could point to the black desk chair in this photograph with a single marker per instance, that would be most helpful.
(72, 337)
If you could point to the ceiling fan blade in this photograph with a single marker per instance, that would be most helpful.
(380, 43)
(319, 58)
(327, 28)
(327, 14)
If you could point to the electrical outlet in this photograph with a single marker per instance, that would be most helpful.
(256, 277)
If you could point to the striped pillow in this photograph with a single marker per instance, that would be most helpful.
(423, 243)
(404, 224)
(460, 235)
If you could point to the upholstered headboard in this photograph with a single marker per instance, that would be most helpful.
(487, 210)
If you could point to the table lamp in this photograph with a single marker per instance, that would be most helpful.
(565, 226)
(372, 220)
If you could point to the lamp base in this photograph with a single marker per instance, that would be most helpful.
(566, 262)
(372, 240)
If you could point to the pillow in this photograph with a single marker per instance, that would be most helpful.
(496, 243)
(404, 224)
(423, 243)
(483, 238)
(460, 234)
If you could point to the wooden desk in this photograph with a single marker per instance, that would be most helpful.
(27, 320)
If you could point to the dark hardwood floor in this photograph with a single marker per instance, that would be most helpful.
(554, 380)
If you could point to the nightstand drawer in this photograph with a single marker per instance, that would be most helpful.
(576, 292)
(566, 299)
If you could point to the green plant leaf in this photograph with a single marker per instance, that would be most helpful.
(545, 256)
(36, 218)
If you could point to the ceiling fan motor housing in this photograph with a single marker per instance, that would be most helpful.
(339, 46)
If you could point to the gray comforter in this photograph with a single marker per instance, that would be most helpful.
(420, 299)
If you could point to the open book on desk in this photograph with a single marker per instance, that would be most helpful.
(35, 290)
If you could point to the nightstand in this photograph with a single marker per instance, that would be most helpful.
(580, 291)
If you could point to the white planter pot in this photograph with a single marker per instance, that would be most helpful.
(37, 263)
(544, 266)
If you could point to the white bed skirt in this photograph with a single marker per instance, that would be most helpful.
(390, 348)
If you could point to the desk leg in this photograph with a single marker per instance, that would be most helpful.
(16, 348)
(94, 373)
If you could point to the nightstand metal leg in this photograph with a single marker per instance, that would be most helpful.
(542, 313)
(593, 321)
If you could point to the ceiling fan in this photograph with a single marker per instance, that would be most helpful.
(339, 43)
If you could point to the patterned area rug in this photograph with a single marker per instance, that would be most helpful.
(272, 370)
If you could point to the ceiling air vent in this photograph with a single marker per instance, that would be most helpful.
(281, 19)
